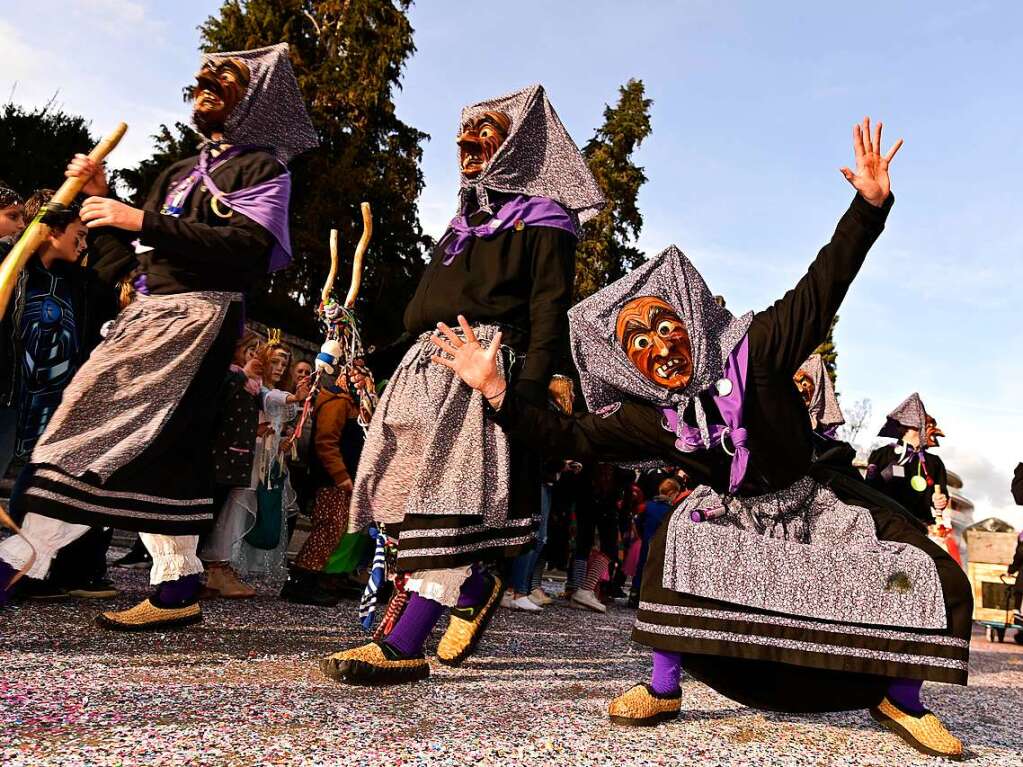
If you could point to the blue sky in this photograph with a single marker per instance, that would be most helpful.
(753, 105)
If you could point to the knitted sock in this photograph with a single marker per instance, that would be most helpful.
(578, 574)
(414, 625)
(394, 610)
(667, 673)
(536, 581)
(474, 590)
(905, 693)
(596, 570)
(178, 592)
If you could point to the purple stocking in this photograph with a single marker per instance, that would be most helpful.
(905, 693)
(667, 672)
(178, 592)
(474, 588)
(415, 624)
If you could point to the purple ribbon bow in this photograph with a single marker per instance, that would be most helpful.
(730, 405)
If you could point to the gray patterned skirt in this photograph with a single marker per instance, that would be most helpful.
(130, 444)
(438, 471)
(803, 601)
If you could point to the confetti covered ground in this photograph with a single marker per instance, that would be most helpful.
(244, 689)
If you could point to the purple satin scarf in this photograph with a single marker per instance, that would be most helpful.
(265, 203)
(518, 212)
(730, 406)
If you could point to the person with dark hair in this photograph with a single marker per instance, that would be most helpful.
(50, 328)
(783, 580)
(12, 218)
(138, 457)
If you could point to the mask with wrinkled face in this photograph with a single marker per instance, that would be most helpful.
(932, 432)
(218, 89)
(656, 341)
(481, 137)
(804, 383)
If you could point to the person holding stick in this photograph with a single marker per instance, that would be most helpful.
(130, 445)
(784, 581)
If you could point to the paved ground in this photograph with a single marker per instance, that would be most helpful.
(244, 689)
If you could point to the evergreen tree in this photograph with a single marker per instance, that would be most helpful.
(37, 146)
(828, 352)
(348, 56)
(605, 252)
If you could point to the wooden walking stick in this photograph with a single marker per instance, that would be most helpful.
(360, 254)
(6, 521)
(36, 232)
(342, 345)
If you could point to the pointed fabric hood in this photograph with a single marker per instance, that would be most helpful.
(824, 409)
(537, 159)
(911, 414)
(606, 373)
(272, 112)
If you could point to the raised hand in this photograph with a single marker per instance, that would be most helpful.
(476, 366)
(871, 176)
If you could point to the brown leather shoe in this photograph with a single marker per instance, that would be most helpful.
(224, 581)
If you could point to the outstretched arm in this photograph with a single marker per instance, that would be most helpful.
(789, 331)
(632, 433)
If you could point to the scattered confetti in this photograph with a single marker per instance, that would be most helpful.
(243, 688)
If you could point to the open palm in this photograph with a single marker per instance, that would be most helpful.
(476, 366)
(871, 178)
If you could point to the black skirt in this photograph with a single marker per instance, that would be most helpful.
(797, 664)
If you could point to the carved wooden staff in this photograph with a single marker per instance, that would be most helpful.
(35, 233)
(331, 347)
(360, 254)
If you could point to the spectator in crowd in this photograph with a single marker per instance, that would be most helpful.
(52, 324)
(250, 532)
(334, 460)
(649, 519)
(528, 567)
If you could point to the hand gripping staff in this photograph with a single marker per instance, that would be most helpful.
(36, 232)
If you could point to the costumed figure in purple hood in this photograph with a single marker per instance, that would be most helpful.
(784, 581)
(130, 444)
(818, 393)
(906, 470)
(435, 472)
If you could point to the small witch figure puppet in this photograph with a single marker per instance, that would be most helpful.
(762, 581)
(462, 494)
(906, 469)
(139, 457)
(818, 393)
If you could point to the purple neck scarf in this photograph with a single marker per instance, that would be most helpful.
(265, 203)
(517, 213)
(730, 405)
